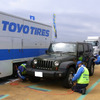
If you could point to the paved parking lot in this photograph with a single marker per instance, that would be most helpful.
(48, 90)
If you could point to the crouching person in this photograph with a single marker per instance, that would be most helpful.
(81, 78)
(97, 61)
(21, 71)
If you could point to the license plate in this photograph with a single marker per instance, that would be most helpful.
(38, 74)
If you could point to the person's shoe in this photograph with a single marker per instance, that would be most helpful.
(83, 91)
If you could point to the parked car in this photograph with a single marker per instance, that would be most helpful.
(60, 62)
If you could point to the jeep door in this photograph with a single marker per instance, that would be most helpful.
(80, 52)
(86, 53)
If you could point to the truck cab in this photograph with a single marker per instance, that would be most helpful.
(95, 41)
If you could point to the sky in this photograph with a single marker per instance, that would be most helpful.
(75, 19)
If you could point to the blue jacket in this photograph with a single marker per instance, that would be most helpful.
(78, 74)
(19, 72)
(98, 60)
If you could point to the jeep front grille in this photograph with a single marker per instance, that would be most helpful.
(46, 65)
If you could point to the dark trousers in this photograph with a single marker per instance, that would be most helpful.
(79, 87)
(97, 63)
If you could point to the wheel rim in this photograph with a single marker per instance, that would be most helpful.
(70, 78)
(92, 69)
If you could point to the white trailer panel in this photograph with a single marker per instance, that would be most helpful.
(21, 40)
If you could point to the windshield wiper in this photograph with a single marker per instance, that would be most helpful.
(70, 52)
(60, 52)
(56, 52)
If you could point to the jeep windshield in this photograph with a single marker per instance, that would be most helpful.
(62, 48)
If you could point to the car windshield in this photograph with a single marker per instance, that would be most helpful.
(94, 43)
(63, 47)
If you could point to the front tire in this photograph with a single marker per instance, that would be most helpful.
(68, 79)
(91, 69)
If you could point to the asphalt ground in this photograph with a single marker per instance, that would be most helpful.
(15, 89)
(7, 80)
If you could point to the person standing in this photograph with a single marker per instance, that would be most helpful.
(81, 78)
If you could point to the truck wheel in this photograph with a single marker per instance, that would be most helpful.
(15, 71)
(91, 69)
(34, 79)
(68, 79)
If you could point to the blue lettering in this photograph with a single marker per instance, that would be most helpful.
(39, 31)
(36, 31)
(19, 28)
(5, 23)
(26, 29)
(47, 33)
(32, 29)
(43, 32)
(12, 27)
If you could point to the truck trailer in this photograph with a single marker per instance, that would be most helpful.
(95, 41)
(21, 40)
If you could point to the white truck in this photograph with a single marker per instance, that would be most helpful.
(95, 41)
(21, 40)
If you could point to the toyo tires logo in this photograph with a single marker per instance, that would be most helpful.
(14, 27)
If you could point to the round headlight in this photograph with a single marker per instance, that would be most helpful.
(35, 61)
(56, 63)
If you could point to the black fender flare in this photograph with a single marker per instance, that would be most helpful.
(67, 65)
(29, 63)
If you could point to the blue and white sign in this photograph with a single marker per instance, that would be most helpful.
(16, 27)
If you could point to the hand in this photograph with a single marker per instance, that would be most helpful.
(74, 83)
(95, 60)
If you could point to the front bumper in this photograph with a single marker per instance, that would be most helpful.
(46, 73)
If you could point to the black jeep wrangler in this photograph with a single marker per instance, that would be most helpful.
(60, 62)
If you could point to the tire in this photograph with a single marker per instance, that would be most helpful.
(91, 69)
(34, 79)
(15, 71)
(68, 79)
